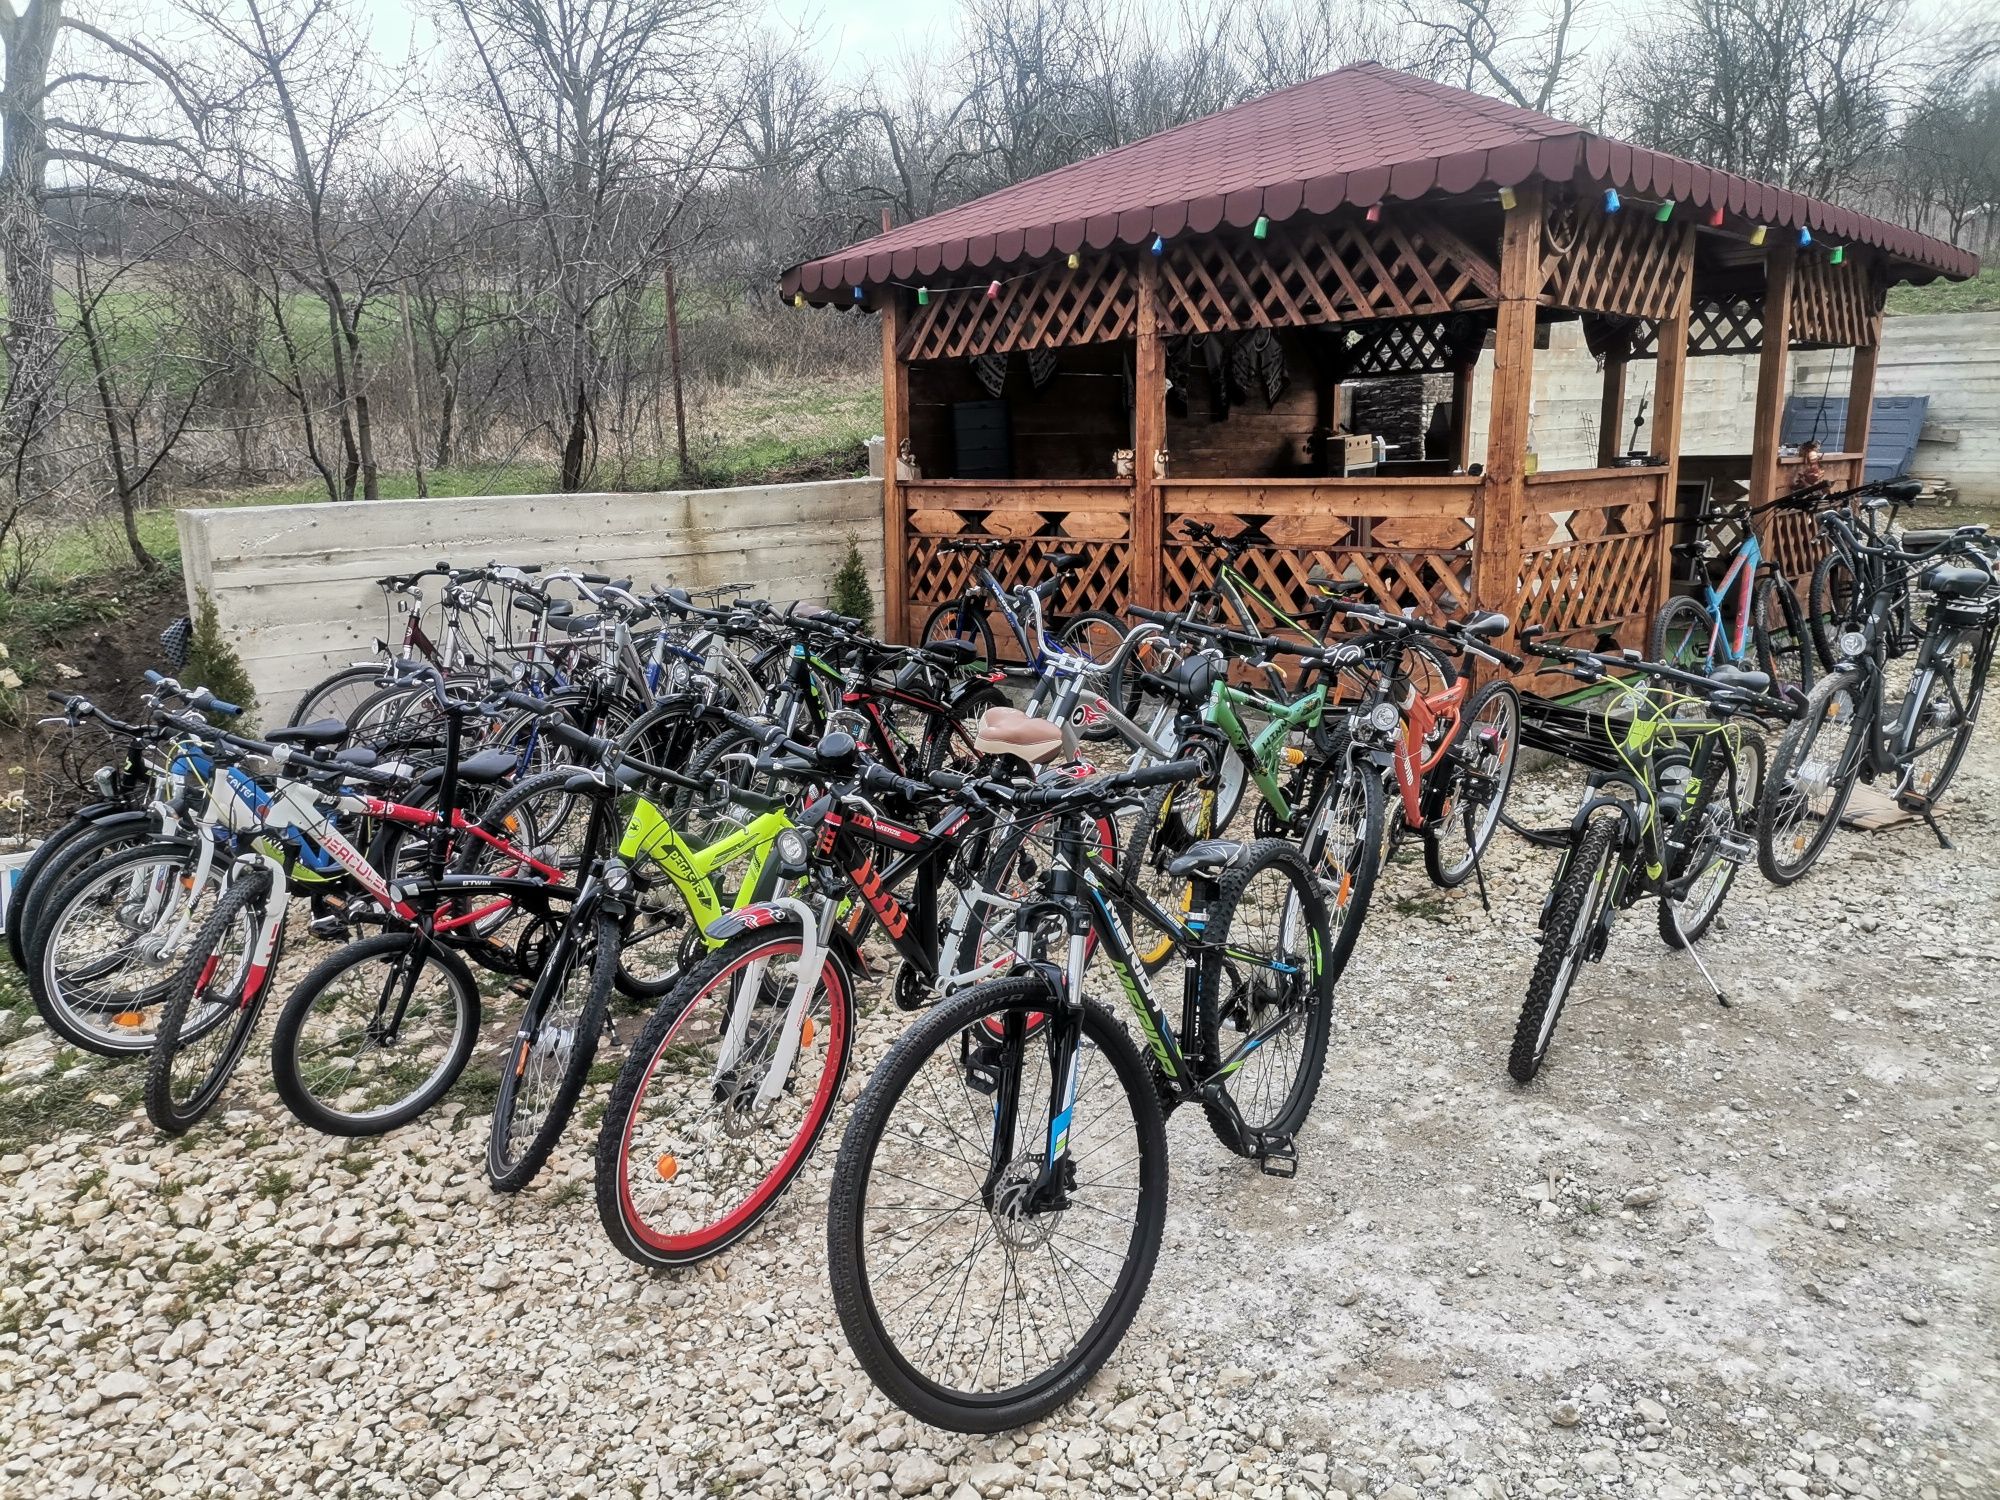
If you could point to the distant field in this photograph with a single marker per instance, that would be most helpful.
(1981, 294)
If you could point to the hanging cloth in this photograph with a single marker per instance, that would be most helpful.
(1042, 365)
(991, 372)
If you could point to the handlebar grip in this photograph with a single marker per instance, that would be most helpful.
(209, 703)
(881, 778)
(526, 701)
(1508, 659)
(578, 739)
(153, 677)
(1185, 769)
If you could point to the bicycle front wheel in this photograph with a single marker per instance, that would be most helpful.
(1811, 775)
(1343, 846)
(1784, 645)
(1831, 600)
(212, 1007)
(375, 1035)
(978, 1291)
(1683, 634)
(1585, 888)
(1266, 992)
(550, 1056)
(720, 1102)
(1937, 722)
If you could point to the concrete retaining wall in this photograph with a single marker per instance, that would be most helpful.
(294, 584)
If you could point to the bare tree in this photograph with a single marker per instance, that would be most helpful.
(1522, 50)
(607, 116)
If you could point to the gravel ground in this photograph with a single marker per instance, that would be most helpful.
(1743, 1252)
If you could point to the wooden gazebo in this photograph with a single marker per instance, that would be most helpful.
(1216, 299)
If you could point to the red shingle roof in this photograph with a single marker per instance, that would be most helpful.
(1360, 135)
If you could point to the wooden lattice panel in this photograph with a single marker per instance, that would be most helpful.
(1733, 325)
(1591, 570)
(1404, 266)
(1834, 306)
(936, 574)
(1436, 579)
(1625, 262)
(1413, 346)
(1097, 302)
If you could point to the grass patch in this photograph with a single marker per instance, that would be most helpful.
(39, 1110)
(1980, 294)
(479, 1087)
(276, 1184)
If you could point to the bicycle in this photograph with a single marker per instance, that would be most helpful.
(1667, 813)
(967, 620)
(1849, 732)
(1833, 596)
(1768, 620)
(1011, 1148)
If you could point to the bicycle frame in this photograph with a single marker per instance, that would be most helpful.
(648, 835)
(1735, 647)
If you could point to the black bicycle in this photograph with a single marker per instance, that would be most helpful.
(1852, 730)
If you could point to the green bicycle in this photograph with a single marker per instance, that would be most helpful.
(1669, 813)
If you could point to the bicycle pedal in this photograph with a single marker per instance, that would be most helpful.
(1277, 1156)
(328, 927)
(1735, 848)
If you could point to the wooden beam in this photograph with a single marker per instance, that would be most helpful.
(1769, 415)
(1669, 405)
(895, 428)
(1496, 551)
(1149, 437)
(1461, 415)
(1611, 410)
(1861, 391)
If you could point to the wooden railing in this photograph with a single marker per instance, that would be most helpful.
(1591, 554)
(1088, 516)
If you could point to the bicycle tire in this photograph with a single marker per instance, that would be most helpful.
(676, 1150)
(241, 1003)
(948, 738)
(1161, 829)
(1785, 646)
(1936, 683)
(1449, 875)
(1306, 993)
(1830, 601)
(940, 1034)
(60, 995)
(338, 695)
(1587, 878)
(965, 621)
(290, 1039)
(511, 1167)
(1740, 814)
(55, 863)
(1681, 634)
(1783, 856)
(1347, 874)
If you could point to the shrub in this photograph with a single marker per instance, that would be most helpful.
(213, 663)
(851, 594)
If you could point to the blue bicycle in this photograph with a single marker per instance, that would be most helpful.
(1751, 618)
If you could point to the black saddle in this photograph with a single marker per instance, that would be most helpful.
(317, 735)
(1742, 679)
(1955, 582)
(1207, 858)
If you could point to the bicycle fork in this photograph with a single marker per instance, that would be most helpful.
(815, 933)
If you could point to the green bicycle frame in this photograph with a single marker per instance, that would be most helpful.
(1263, 751)
(649, 836)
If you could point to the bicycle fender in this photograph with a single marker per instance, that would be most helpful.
(757, 917)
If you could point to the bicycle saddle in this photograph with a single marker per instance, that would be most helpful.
(1742, 679)
(1008, 731)
(953, 653)
(314, 736)
(1326, 583)
(1067, 562)
(1945, 578)
(1207, 858)
(1902, 491)
(1486, 625)
(480, 769)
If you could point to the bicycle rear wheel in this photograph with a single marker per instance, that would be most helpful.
(550, 1055)
(1810, 777)
(973, 1302)
(1481, 763)
(1720, 844)
(1830, 598)
(964, 622)
(1938, 719)
(700, 1139)
(212, 1007)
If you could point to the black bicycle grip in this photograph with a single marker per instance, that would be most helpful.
(579, 740)
(1185, 769)
(881, 779)
(1507, 659)
(525, 701)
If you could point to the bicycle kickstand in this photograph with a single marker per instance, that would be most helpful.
(1479, 879)
(1707, 978)
(1929, 815)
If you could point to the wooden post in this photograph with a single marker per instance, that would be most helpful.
(1771, 363)
(895, 428)
(1669, 402)
(1149, 436)
(1611, 411)
(1461, 415)
(1861, 395)
(674, 369)
(1503, 494)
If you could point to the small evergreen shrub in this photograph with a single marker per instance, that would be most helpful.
(851, 594)
(213, 663)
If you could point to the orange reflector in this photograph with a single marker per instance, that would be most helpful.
(667, 1167)
(128, 1018)
(1346, 886)
(521, 1062)
(806, 1036)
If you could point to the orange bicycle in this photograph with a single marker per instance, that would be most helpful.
(1418, 726)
